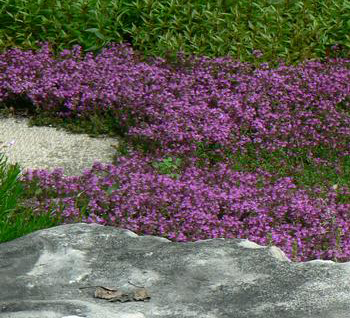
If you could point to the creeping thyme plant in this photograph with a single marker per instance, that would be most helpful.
(233, 118)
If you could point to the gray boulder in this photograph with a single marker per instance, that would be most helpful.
(95, 271)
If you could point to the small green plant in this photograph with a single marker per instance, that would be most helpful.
(15, 220)
(10, 189)
(167, 166)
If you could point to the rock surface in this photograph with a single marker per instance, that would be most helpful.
(42, 275)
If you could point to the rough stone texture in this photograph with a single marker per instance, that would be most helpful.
(41, 273)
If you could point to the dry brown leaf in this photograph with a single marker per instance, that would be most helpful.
(141, 294)
(113, 295)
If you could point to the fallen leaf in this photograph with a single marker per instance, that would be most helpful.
(110, 294)
(113, 295)
(141, 294)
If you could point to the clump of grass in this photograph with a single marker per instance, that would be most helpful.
(16, 221)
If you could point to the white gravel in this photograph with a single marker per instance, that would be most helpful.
(48, 148)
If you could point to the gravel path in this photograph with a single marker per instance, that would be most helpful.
(48, 148)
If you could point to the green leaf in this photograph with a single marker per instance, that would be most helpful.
(9, 14)
(112, 188)
(218, 38)
(92, 30)
(97, 33)
(251, 25)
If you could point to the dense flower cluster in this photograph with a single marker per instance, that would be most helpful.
(216, 102)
